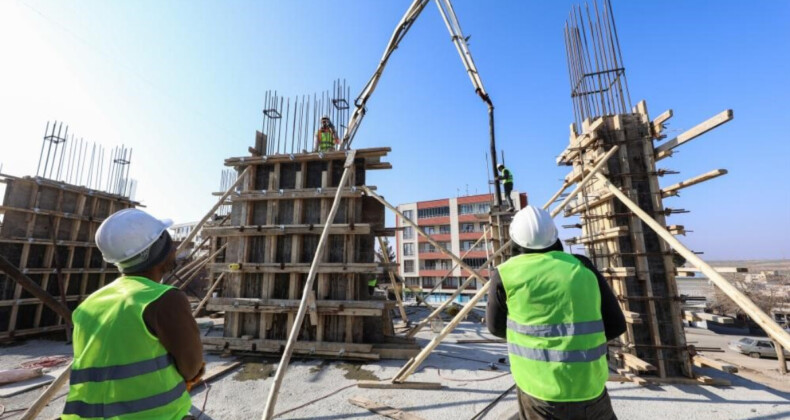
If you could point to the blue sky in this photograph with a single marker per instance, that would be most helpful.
(183, 83)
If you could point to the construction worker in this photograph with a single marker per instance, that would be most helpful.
(557, 312)
(326, 136)
(137, 347)
(372, 285)
(507, 180)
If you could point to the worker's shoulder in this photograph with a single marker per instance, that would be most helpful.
(584, 260)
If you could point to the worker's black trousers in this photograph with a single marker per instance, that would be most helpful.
(508, 190)
(530, 408)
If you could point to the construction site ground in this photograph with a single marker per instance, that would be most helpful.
(465, 370)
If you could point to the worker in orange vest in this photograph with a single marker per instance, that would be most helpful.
(326, 136)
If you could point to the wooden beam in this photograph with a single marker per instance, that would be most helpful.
(210, 213)
(34, 289)
(702, 361)
(271, 400)
(636, 363)
(761, 318)
(208, 295)
(665, 149)
(48, 395)
(584, 180)
(674, 188)
(273, 267)
(348, 192)
(300, 229)
(657, 126)
(382, 410)
(306, 157)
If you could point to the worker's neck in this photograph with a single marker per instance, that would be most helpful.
(154, 274)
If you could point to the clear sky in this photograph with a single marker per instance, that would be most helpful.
(182, 82)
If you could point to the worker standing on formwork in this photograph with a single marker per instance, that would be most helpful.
(137, 348)
(326, 136)
(557, 312)
(507, 180)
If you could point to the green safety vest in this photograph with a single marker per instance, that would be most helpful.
(507, 176)
(373, 282)
(327, 140)
(555, 333)
(120, 369)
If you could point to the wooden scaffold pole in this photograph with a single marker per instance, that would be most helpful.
(271, 400)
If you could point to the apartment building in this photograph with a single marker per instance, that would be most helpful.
(456, 224)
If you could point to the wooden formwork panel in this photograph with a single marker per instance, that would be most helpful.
(47, 231)
(267, 267)
(646, 285)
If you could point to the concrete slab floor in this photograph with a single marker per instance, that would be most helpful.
(464, 369)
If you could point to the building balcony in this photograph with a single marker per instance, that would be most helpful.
(465, 273)
(433, 256)
(430, 221)
(433, 273)
(474, 254)
(439, 237)
(470, 236)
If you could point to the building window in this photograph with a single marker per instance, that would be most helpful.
(433, 212)
(408, 266)
(408, 250)
(408, 232)
(451, 283)
(426, 247)
(474, 208)
(428, 282)
(413, 281)
(429, 230)
(467, 227)
(409, 214)
(467, 245)
(445, 245)
(475, 262)
(444, 229)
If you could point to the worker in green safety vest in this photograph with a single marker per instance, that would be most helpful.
(326, 136)
(557, 313)
(507, 181)
(372, 285)
(137, 349)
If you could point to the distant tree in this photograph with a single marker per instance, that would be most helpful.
(765, 294)
(384, 277)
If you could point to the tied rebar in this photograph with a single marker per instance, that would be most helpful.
(595, 63)
(290, 123)
(72, 160)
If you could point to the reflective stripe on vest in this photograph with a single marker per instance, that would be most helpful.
(556, 330)
(555, 334)
(99, 374)
(120, 369)
(117, 409)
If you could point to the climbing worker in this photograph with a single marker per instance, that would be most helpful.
(372, 285)
(557, 312)
(507, 180)
(326, 136)
(137, 348)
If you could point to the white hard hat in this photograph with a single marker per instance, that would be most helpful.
(533, 228)
(128, 233)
